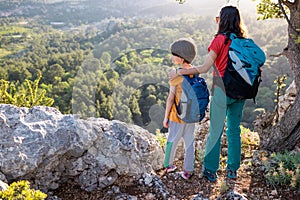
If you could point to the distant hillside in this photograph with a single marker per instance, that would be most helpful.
(87, 11)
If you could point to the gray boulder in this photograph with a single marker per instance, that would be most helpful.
(48, 148)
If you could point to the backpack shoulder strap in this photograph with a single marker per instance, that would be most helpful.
(190, 77)
(232, 36)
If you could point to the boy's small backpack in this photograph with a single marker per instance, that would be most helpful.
(194, 99)
(243, 74)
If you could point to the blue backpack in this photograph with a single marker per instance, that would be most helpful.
(242, 75)
(194, 99)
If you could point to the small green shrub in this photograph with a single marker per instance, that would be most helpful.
(283, 169)
(28, 94)
(250, 142)
(248, 137)
(21, 191)
(161, 138)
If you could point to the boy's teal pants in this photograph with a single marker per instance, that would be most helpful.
(222, 107)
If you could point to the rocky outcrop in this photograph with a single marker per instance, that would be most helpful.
(48, 148)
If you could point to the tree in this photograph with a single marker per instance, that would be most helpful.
(53, 71)
(285, 134)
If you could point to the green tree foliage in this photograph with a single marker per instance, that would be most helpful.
(121, 73)
(135, 108)
(141, 85)
(269, 9)
(53, 71)
(61, 92)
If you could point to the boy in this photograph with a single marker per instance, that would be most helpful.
(183, 53)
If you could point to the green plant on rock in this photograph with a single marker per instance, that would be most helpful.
(20, 190)
(28, 94)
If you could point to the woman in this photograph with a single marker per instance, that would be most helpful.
(221, 106)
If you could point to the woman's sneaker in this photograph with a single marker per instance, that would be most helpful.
(186, 175)
(209, 175)
(231, 174)
(171, 168)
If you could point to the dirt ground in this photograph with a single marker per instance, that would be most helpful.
(250, 182)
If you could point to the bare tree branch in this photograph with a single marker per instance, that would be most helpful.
(289, 5)
(279, 54)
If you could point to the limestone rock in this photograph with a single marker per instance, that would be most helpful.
(42, 145)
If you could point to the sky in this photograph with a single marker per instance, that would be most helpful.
(245, 6)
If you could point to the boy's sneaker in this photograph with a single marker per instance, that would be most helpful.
(186, 175)
(171, 168)
(209, 175)
(231, 174)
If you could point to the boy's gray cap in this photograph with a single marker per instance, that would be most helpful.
(184, 48)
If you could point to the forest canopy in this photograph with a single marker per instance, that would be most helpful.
(118, 68)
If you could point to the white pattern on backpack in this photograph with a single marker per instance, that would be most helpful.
(238, 66)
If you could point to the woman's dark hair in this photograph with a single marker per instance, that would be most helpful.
(230, 22)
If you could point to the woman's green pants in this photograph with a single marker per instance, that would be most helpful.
(221, 108)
